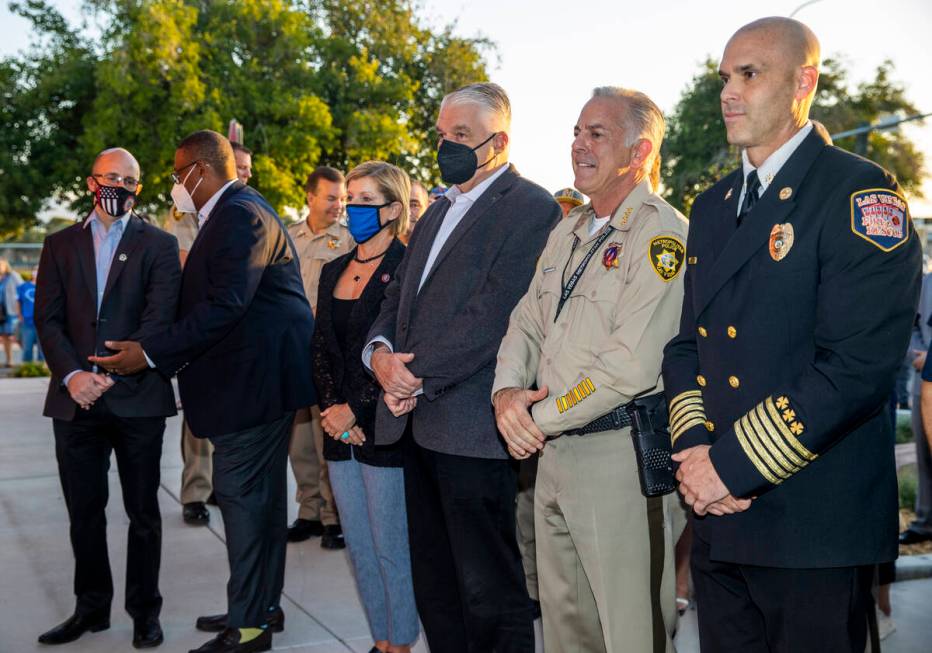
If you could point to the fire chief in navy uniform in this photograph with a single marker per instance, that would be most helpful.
(803, 275)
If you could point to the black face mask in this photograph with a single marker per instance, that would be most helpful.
(116, 201)
(458, 162)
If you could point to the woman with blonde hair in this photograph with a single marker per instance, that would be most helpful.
(367, 481)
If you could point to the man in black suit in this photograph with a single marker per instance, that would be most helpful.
(241, 349)
(432, 349)
(801, 287)
(112, 276)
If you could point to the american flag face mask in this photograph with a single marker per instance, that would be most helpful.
(115, 200)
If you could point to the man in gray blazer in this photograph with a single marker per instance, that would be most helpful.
(920, 529)
(432, 349)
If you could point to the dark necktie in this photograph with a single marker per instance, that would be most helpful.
(752, 186)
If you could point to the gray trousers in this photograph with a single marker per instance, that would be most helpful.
(923, 521)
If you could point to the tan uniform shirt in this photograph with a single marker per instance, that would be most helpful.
(182, 226)
(314, 250)
(606, 346)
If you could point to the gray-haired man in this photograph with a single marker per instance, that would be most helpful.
(434, 346)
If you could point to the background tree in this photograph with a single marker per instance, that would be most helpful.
(695, 152)
(312, 81)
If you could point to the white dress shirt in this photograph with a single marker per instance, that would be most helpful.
(771, 166)
(460, 203)
(209, 205)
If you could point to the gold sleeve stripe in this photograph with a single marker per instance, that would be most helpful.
(752, 455)
(762, 453)
(785, 431)
(576, 394)
(686, 416)
(674, 436)
(685, 406)
(684, 395)
(790, 455)
(772, 448)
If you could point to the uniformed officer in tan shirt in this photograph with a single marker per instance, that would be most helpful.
(196, 453)
(590, 338)
(318, 239)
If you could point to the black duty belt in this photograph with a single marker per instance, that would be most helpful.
(617, 419)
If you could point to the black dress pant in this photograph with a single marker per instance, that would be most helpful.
(468, 580)
(83, 447)
(750, 609)
(250, 486)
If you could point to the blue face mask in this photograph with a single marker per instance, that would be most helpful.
(364, 221)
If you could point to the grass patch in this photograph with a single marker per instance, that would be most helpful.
(907, 479)
(31, 370)
(904, 427)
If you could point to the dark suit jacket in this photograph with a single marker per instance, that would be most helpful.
(242, 344)
(456, 322)
(339, 375)
(139, 300)
(797, 358)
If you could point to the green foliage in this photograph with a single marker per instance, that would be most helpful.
(312, 81)
(908, 484)
(695, 152)
(31, 370)
(904, 427)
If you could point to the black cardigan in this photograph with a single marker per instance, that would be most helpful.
(339, 375)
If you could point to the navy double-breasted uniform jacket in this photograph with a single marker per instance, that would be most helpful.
(793, 326)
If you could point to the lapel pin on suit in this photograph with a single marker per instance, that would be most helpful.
(123, 258)
(728, 194)
(786, 192)
(386, 277)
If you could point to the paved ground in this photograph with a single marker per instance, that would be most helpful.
(321, 606)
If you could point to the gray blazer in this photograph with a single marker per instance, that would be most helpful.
(455, 323)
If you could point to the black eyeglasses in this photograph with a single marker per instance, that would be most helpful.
(176, 173)
(114, 179)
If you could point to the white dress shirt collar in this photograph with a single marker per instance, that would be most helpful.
(209, 205)
(454, 192)
(771, 166)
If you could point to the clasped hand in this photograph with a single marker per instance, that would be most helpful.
(87, 387)
(129, 358)
(514, 420)
(339, 419)
(397, 381)
(701, 486)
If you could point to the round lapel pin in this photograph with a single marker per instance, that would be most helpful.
(786, 192)
(122, 258)
(386, 277)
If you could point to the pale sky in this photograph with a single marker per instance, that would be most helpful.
(553, 53)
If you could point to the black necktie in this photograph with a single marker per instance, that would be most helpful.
(752, 186)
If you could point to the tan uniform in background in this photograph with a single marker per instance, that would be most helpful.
(306, 452)
(604, 551)
(196, 453)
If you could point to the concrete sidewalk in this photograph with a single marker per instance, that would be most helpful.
(322, 609)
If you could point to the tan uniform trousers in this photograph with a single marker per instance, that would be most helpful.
(197, 473)
(604, 551)
(306, 452)
(524, 518)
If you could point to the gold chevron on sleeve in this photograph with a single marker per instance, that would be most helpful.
(686, 411)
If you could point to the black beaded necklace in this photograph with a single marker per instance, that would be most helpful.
(356, 258)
